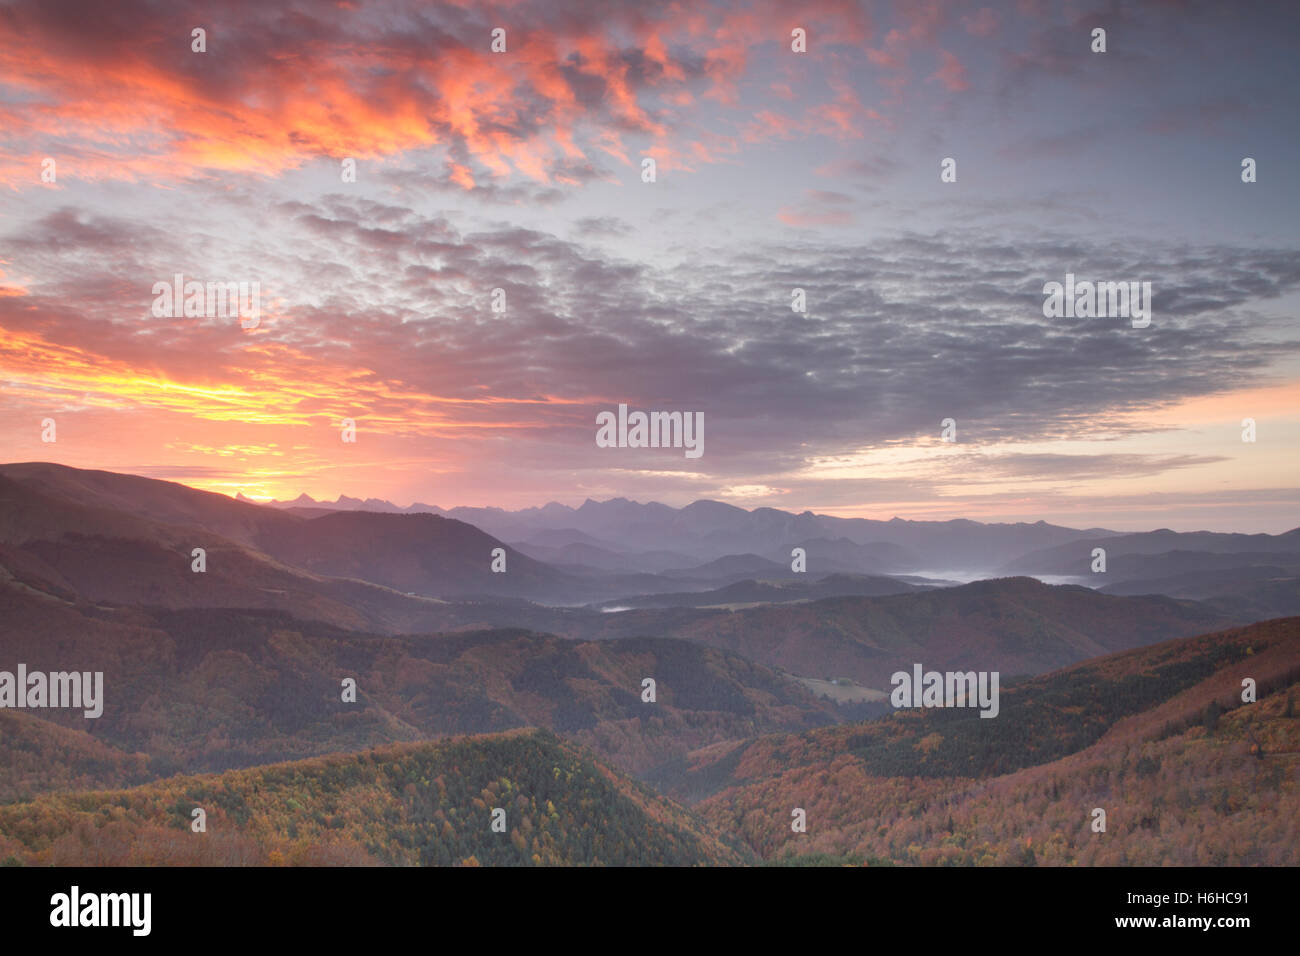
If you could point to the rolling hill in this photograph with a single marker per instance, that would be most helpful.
(1015, 625)
(128, 539)
(1128, 701)
(768, 592)
(212, 689)
(1161, 552)
(1158, 737)
(427, 804)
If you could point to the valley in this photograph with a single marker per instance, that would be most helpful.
(326, 659)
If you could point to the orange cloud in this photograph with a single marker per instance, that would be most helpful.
(278, 89)
(277, 385)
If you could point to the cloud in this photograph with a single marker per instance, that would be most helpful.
(386, 318)
(601, 227)
(983, 23)
(951, 73)
(1081, 467)
(820, 207)
(283, 85)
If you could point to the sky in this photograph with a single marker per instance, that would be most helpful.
(128, 156)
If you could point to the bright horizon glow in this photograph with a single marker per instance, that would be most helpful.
(522, 173)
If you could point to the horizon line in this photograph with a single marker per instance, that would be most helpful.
(239, 496)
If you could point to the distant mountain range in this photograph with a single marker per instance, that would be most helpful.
(1160, 552)
(235, 672)
(706, 530)
(401, 572)
(1260, 573)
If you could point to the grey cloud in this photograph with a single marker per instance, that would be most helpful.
(900, 334)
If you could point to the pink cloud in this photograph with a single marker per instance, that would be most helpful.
(951, 73)
(804, 218)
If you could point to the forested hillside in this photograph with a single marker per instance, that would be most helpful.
(1159, 739)
(217, 689)
(427, 804)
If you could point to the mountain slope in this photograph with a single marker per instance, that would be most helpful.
(100, 556)
(1075, 557)
(713, 529)
(1137, 734)
(1013, 625)
(96, 495)
(770, 592)
(40, 756)
(211, 689)
(60, 514)
(427, 554)
(425, 804)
